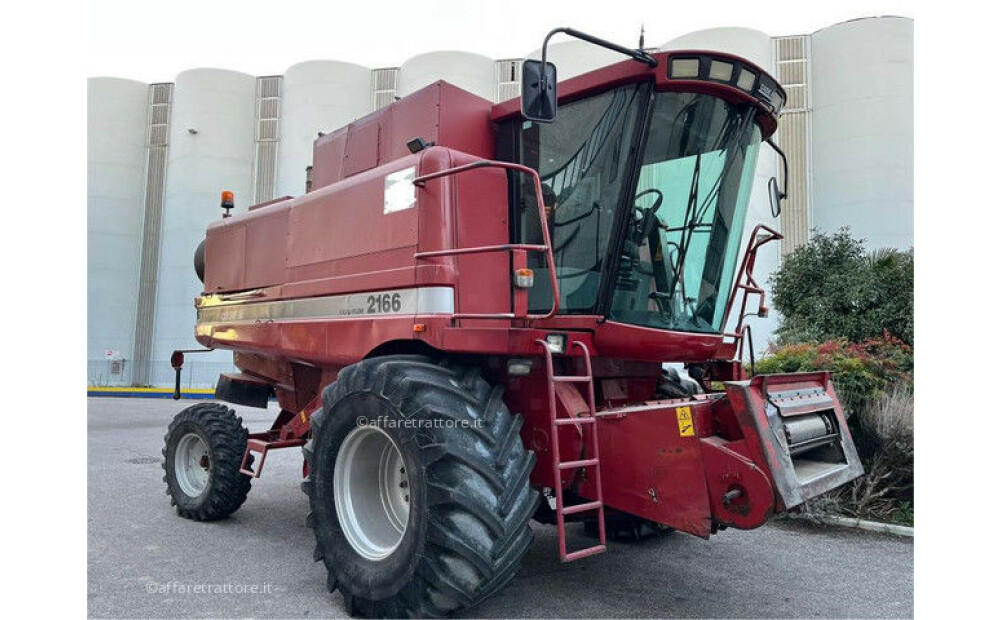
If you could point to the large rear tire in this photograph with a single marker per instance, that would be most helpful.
(201, 460)
(418, 487)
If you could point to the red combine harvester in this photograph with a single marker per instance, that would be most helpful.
(455, 261)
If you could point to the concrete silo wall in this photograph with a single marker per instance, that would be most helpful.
(576, 57)
(116, 141)
(862, 130)
(317, 96)
(471, 72)
(211, 149)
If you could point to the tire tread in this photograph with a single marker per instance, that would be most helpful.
(441, 585)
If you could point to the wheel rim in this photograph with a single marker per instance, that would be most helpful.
(191, 464)
(371, 490)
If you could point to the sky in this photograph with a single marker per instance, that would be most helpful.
(127, 38)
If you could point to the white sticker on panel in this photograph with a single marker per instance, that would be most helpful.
(400, 193)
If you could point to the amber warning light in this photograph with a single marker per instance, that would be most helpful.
(227, 202)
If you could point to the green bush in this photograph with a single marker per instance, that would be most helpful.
(862, 371)
(832, 288)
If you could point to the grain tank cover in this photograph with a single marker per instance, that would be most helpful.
(440, 113)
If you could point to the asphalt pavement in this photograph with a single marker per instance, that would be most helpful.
(146, 562)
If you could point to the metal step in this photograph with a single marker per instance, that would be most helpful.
(572, 379)
(585, 553)
(575, 508)
(580, 420)
(261, 444)
(564, 465)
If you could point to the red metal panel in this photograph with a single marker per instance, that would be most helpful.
(465, 122)
(480, 215)
(439, 113)
(361, 151)
(347, 220)
(328, 158)
(648, 469)
(729, 472)
(267, 239)
(414, 116)
(225, 252)
(652, 471)
(656, 345)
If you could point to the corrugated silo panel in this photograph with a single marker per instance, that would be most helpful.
(792, 58)
(862, 129)
(468, 71)
(794, 140)
(160, 96)
(383, 87)
(317, 96)
(267, 137)
(507, 75)
(116, 138)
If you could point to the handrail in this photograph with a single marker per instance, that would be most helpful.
(750, 286)
(546, 247)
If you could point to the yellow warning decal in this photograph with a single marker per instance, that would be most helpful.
(684, 421)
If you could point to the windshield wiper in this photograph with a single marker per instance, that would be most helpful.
(694, 213)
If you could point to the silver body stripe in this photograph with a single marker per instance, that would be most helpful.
(397, 302)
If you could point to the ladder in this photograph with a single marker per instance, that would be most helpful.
(584, 422)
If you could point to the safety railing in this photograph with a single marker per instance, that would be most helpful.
(518, 250)
(746, 283)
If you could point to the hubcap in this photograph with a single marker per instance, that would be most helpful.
(371, 491)
(191, 464)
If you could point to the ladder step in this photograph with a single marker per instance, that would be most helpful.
(587, 419)
(256, 445)
(577, 464)
(582, 553)
(573, 379)
(572, 510)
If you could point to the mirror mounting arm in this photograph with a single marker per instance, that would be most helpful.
(538, 79)
(784, 165)
(635, 54)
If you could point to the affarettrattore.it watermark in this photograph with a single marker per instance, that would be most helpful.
(177, 587)
(388, 422)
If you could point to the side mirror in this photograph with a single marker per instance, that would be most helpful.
(538, 91)
(776, 196)
(775, 193)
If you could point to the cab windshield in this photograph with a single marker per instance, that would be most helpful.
(677, 214)
(683, 235)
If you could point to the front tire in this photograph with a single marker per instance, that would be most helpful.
(418, 487)
(202, 452)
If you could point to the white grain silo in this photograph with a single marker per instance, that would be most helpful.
(211, 149)
(116, 144)
(472, 72)
(317, 96)
(574, 57)
(862, 130)
(756, 47)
